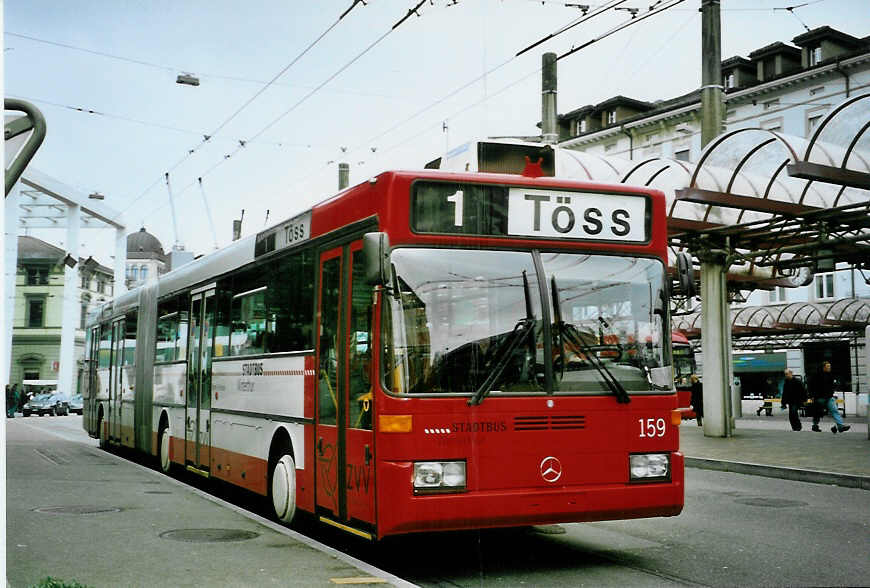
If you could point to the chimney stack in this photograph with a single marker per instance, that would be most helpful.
(343, 175)
(549, 130)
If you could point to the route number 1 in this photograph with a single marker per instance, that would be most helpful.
(651, 427)
(456, 199)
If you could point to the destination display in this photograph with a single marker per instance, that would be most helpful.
(505, 211)
(288, 233)
(576, 215)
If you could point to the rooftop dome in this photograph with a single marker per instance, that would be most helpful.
(143, 242)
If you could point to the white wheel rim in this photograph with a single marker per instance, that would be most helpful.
(280, 489)
(284, 488)
(164, 451)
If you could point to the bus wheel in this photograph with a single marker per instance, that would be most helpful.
(283, 488)
(101, 432)
(163, 449)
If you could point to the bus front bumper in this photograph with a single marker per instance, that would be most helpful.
(409, 513)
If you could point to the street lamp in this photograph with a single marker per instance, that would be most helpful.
(187, 79)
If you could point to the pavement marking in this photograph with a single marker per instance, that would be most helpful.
(382, 575)
(362, 580)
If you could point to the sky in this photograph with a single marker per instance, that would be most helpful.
(288, 89)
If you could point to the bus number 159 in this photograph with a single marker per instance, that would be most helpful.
(651, 427)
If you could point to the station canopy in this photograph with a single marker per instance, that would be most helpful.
(776, 208)
(788, 326)
(781, 207)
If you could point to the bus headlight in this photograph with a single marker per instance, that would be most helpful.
(439, 476)
(649, 466)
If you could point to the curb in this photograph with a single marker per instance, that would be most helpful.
(754, 469)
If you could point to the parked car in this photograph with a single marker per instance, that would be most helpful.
(48, 403)
(76, 404)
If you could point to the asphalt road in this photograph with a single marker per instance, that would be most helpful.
(735, 530)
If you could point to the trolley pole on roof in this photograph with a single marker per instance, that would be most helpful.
(172, 207)
(720, 407)
(208, 212)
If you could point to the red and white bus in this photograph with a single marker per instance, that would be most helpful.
(424, 351)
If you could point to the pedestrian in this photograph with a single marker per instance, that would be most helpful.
(794, 395)
(824, 401)
(768, 394)
(697, 399)
(11, 401)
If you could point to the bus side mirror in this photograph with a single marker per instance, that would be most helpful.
(686, 274)
(376, 257)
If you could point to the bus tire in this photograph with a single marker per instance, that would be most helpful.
(282, 488)
(101, 432)
(163, 439)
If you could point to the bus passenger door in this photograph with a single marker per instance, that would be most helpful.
(116, 370)
(89, 408)
(357, 395)
(328, 463)
(198, 405)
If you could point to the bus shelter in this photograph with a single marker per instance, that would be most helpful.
(762, 209)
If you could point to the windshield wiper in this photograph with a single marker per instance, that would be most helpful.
(505, 351)
(570, 332)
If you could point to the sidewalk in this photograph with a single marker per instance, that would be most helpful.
(767, 446)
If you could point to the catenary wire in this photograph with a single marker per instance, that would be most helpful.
(301, 101)
(239, 110)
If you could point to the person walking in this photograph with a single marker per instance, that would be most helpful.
(698, 399)
(794, 395)
(824, 401)
(11, 401)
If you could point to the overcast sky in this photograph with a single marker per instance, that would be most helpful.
(373, 96)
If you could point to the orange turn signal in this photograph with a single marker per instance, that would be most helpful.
(676, 417)
(395, 423)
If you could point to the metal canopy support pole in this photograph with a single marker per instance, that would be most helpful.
(712, 91)
(867, 357)
(120, 262)
(716, 346)
(10, 252)
(71, 305)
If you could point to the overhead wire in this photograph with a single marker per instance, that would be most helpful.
(174, 69)
(571, 25)
(633, 20)
(338, 72)
(504, 88)
(206, 138)
(137, 121)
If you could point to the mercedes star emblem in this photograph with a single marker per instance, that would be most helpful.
(551, 469)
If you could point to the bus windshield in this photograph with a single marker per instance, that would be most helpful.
(463, 321)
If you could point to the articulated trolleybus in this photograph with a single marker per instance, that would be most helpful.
(424, 351)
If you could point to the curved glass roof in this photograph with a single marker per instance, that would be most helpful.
(796, 318)
(842, 138)
(779, 202)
